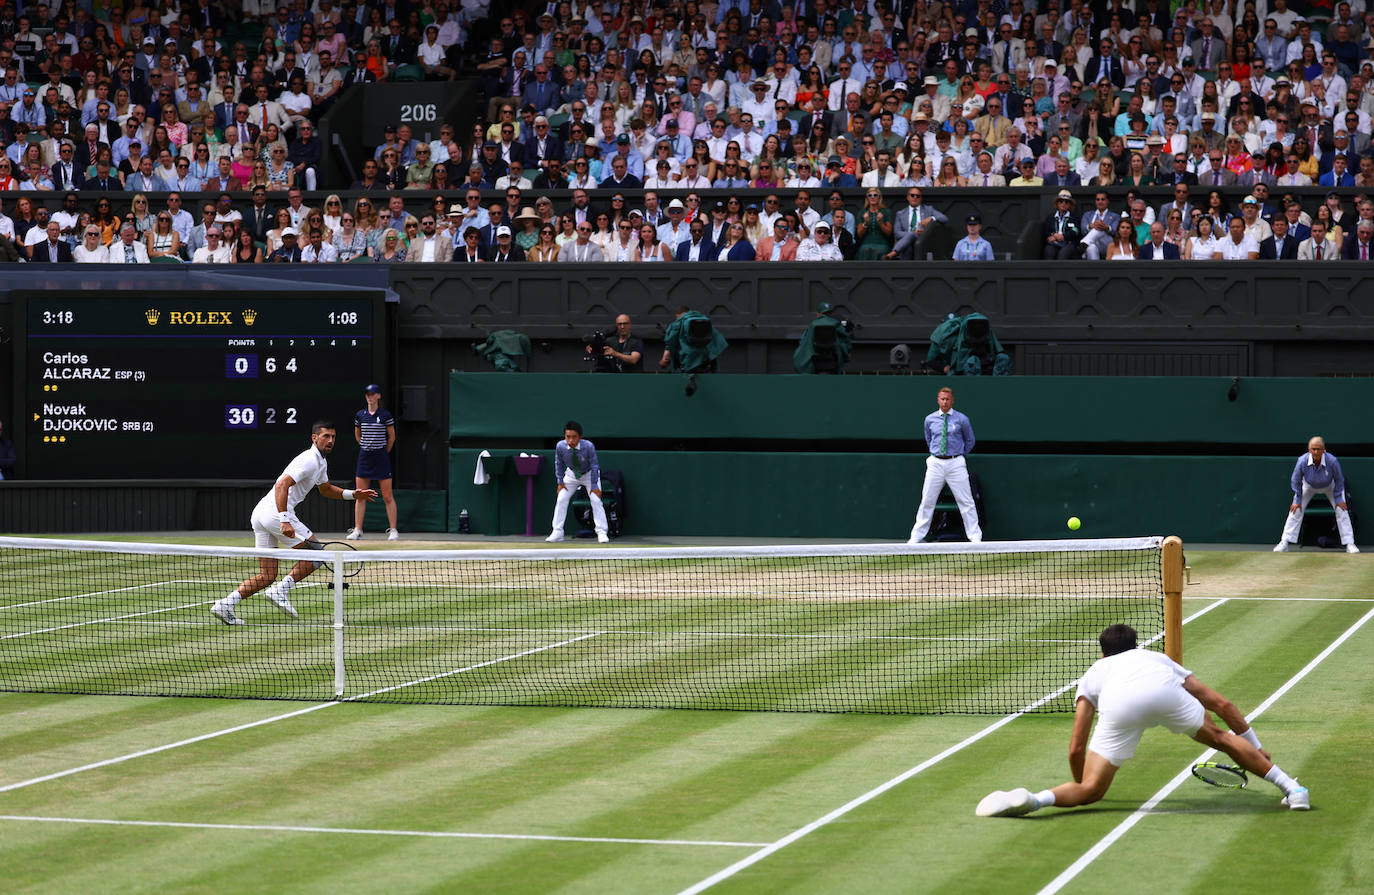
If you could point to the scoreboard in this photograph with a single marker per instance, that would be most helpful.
(204, 385)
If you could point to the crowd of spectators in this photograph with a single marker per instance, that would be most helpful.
(660, 100)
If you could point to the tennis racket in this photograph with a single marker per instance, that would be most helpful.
(1227, 776)
(349, 568)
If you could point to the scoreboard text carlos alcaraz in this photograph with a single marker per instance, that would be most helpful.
(212, 385)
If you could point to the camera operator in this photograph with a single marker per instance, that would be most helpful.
(620, 353)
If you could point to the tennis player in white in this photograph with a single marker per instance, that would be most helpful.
(1135, 689)
(275, 524)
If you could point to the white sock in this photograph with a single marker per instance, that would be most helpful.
(233, 599)
(1249, 737)
(1281, 780)
(1044, 799)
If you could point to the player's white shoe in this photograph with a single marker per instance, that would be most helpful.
(602, 538)
(225, 614)
(354, 534)
(1351, 548)
(278, 597)
(555, 537)
(392, 534)
(1298, 800)
(1006, 804)
(1282, 547)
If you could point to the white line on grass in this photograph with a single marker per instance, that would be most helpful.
(305, 711)
(1122, 828)
(113, 618)
(773, 847)
(103, 593)
(1293, 599)
(431, 834)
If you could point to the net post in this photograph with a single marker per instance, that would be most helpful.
(1171, 568)
(338, 626)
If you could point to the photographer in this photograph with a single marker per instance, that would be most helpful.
(619, 353)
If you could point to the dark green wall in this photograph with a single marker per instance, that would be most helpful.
(1159, 456)
(1022, 409)
(1200, 498)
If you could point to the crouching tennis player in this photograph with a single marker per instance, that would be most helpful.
(1135, 689)
(275, 525)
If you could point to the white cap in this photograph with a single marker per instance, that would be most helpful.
(290, 231)
(676, 203)
(503, 230)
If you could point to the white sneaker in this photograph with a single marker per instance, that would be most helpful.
(602, 538)
(1298, 800)
(1006, 804)
(392, 534)
(555, 537)
(225, 614)
(281, 601)
(1351, 548)
(354, 534)
(1282, 547)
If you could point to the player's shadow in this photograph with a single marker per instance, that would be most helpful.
(1222, 802)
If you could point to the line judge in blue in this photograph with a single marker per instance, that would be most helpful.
(1317, 472)
(973, 247)
(575, 463)
(949, 436)
(375, 430)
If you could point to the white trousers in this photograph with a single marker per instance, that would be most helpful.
(1095, 245)
(938, 474)
(1292, 525)
(560, 508)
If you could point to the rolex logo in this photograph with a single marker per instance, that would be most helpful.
(152, 315)
(249, 315)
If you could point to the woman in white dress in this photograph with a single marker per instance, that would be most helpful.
(1203, 246)
(91, 250)
(1123, 247)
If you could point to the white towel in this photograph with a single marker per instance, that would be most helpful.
(481, 476)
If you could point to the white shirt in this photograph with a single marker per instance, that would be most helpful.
(308, 470)
(1232, 252)
(1116, 682)
(428, 246)
(204, 255)
(82, 255)
(325, 254)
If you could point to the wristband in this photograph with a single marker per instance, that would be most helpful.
(347, 494)
(284, 518)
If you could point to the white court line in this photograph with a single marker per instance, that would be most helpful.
(1122, 828)
(305, 711)
(113, 618)
(431, 834)
(102, 593)
(1292, 599)
(773, 847)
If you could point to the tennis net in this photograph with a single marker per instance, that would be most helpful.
(947, 628)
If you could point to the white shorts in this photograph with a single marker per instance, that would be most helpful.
(1121, 725)
(267, 530)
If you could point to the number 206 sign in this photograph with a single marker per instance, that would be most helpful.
(424, 107)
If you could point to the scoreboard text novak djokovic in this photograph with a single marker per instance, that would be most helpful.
(186, 385)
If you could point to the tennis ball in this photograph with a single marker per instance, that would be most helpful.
(1074, 523)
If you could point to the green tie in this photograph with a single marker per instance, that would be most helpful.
(944, 433)
(913, 219)
(576, 465)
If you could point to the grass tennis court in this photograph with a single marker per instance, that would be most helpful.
(328, 797)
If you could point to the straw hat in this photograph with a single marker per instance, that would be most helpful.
(527, 214)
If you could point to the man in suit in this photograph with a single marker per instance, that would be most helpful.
(1338, 175)
(541, 93)
(542, 146)
(1009, 51)
(194, 107)
(913, 224)
(984, 176)
(1061, 234)
(1097, 225)
(128, 249)
(994, 125)
(224, 111)
(258, 219)
(1359, 246)
(1157, 249)
(1280, 246)
(781, 246)
(1317, 247)
(1219, 175)
(65, 174)
(104, 180)
(1062, 176)
(268, 111)
(52, 250)
(698, 247)
(1105, 65)
(396, 46)
(1178, 174)
(1209, 47)
(430, 246)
